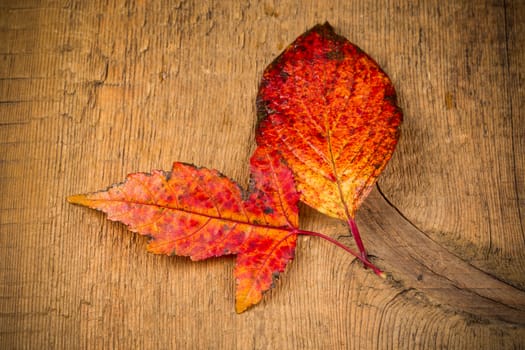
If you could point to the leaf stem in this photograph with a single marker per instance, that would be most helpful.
(364, 260)
(357, 238)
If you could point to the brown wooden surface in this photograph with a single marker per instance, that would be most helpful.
(93, 90)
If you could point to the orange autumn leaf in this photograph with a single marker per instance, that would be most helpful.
(200, 213)
(331, 112)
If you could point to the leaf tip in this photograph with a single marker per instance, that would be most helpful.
(326, 26)
(240, 307)
(79, 199)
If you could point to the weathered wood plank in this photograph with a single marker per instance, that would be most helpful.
(90, 91)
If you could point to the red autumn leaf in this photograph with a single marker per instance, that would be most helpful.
(325, 107)
(200, 213)
(331, 112)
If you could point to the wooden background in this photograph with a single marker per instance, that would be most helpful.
(93, 90)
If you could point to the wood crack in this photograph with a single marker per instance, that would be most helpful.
(417, 261)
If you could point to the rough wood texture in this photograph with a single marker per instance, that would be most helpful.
(92, 90)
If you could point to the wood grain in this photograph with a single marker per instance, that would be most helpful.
(93, 90)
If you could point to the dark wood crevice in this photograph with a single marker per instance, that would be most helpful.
(418, 262)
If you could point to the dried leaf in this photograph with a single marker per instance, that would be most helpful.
(200, 213)
(331, 112)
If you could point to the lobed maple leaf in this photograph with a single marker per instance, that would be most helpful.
(200, 213)
(331, 112)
